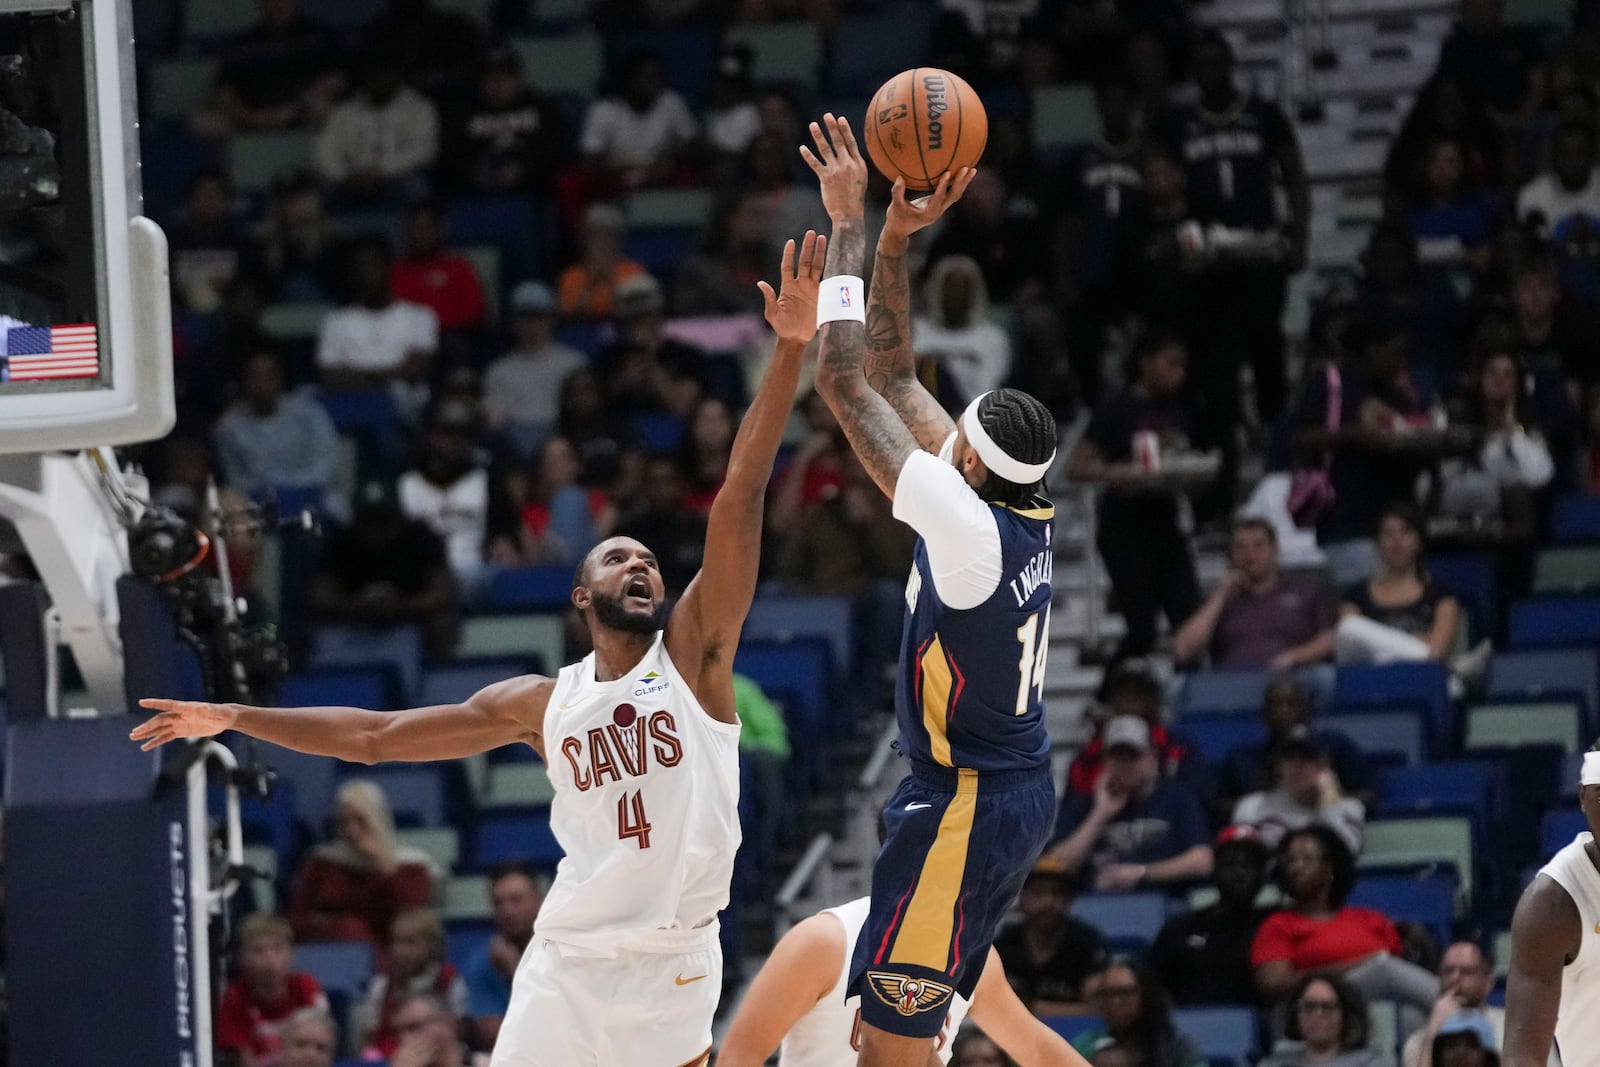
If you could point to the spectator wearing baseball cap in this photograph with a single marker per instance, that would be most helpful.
(1286, 708)
(1132, 688)
(1305, 791)
(1203, 957)
(1140, 827)
(522, 389)
(1049, 954)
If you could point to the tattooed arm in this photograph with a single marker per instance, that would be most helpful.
(890, 364)
(880, 440)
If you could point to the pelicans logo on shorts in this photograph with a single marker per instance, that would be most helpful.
(909, 996)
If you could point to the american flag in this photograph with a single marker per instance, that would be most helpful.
(37, 353)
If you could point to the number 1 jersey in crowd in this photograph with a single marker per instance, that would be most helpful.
(970, 692)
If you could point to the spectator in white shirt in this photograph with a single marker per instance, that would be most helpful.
(449, 490)
(732, 118)
(379, 143)
(1307, 792)
(637, 135)
(275, 440)
(1569, 186)
(377, 341)
(522, 389)
(956, 331)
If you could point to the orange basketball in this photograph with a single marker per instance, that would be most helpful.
(922, 123)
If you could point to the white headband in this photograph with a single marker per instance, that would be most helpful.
(1590, 775)
(994, 457)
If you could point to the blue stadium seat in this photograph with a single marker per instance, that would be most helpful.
(513, 224)
(456, 682)
(1217, 735)
(1395, 686)
(416, 791)
(1377, 732)
(1429, 900)
(352, 687)
(1472, 787)
(1552, 622)
(1567, 780)
(546, 588)
(782, 618)
(362, 412)
(1559, 828)
(342, 965)
(465, 939)
(794, 674)
(869, 49)
(660, 249)
(525, 836)
(1212, 692)
(1221, 1033)
(398, 647)
(658, 433)
(274, 822)
(1543, 674)
(1129, 921)
(1072, 1027)
(1576, 518)
(313, 776)
(1470, 578)
(689, 54)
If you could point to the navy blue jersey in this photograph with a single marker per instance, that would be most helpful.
(1230, 160)
(971, 687)
(1106, 188)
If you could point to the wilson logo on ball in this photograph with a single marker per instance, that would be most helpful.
(934, 94)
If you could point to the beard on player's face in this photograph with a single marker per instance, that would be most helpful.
(613, 613)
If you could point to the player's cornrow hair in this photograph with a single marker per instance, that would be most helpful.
(1022, 426)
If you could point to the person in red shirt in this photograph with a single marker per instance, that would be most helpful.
(265, 994)
(1318, 933)
(434, 277)
(1131, 688)
(351, 888)
(416, 965)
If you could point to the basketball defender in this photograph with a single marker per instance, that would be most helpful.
(641, 740)
(967, 824)
(1553, 989)
(798, 999)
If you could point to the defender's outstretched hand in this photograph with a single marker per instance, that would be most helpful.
(792, 310)
(178, 719)
(906, 217)
(838, 164)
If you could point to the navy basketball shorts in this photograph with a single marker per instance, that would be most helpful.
(958, 848)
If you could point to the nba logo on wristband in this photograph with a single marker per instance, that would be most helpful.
(844, 296)
(849, 306)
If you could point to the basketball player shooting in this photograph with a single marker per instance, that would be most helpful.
(970, 819)
(1553, 989)
(641, 740)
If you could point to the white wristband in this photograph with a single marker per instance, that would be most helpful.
(842, 298)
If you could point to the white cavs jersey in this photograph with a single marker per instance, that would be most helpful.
(1578, 1018)
(646, 806)
(829, 1035)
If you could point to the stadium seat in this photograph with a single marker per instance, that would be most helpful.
(1128, 921)
(351, 687)
(178, 87)
(523, 784)
(1556, 621)
(795, 675)
(466, 939)
(442, 844)
(660, 249)
(415, 790)
(1473, 788)
(397, 647)
(1064, 116)
(1421, 843)
(1576, 519)
(349, 14)
(569, 64)
(1567, 780)
(1217, 735)
(1571, 569)
(542, 588)
(313, 776)
(786, 52)
(1430, 900)
(1383, 1027)
(661, 432)
(1544, 674)
(216, 20)
(784, 618)
(274, 822)
(255, 159)
(665, 209)
(689, 54)
(1072, 1027)
(1559, 828)
(513, 225)
(869, 49)
(1396, 686)
(525, 837)
(293, 322)
(492, 636)
(341, 965)
(479, 11)
(1220, 1033)
(1514, 725)
(466, 897)
(1224, 691)
(1470, 578)
(458, 681)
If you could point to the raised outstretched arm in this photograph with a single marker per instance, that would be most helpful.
(704, 631)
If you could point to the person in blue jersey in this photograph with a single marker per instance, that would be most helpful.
(1238, 152)
(973, 815)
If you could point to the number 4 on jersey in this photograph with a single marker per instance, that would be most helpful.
(630, 819)
(1035, 648)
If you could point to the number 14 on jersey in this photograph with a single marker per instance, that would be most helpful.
(1035, 641)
